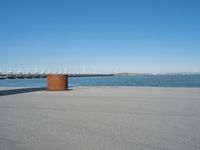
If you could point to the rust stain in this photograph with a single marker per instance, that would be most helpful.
(57, 82)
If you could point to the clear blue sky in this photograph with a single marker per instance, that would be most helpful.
(134, 36)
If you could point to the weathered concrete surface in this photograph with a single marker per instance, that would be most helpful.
(101, 118)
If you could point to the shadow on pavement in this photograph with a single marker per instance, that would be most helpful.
(20, 91)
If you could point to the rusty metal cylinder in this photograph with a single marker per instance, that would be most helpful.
(57, 82)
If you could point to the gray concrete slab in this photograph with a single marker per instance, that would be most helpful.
(101, 118)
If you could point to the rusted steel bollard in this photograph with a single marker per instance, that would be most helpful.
(57, 82)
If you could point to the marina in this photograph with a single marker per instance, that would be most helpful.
(115, 80)
(44, 75)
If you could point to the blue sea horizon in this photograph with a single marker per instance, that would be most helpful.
(137, 81)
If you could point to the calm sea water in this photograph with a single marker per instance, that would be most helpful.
(150, 80)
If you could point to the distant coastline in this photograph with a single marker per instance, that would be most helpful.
(144, 74)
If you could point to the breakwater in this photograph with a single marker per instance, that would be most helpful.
(30, 76)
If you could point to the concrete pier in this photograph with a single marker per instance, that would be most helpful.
(100, 118)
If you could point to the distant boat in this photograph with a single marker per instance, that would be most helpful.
(29, 76)
(3, 76)
(11, 76)
(43, 76)
(36, 76)
(20, 76)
